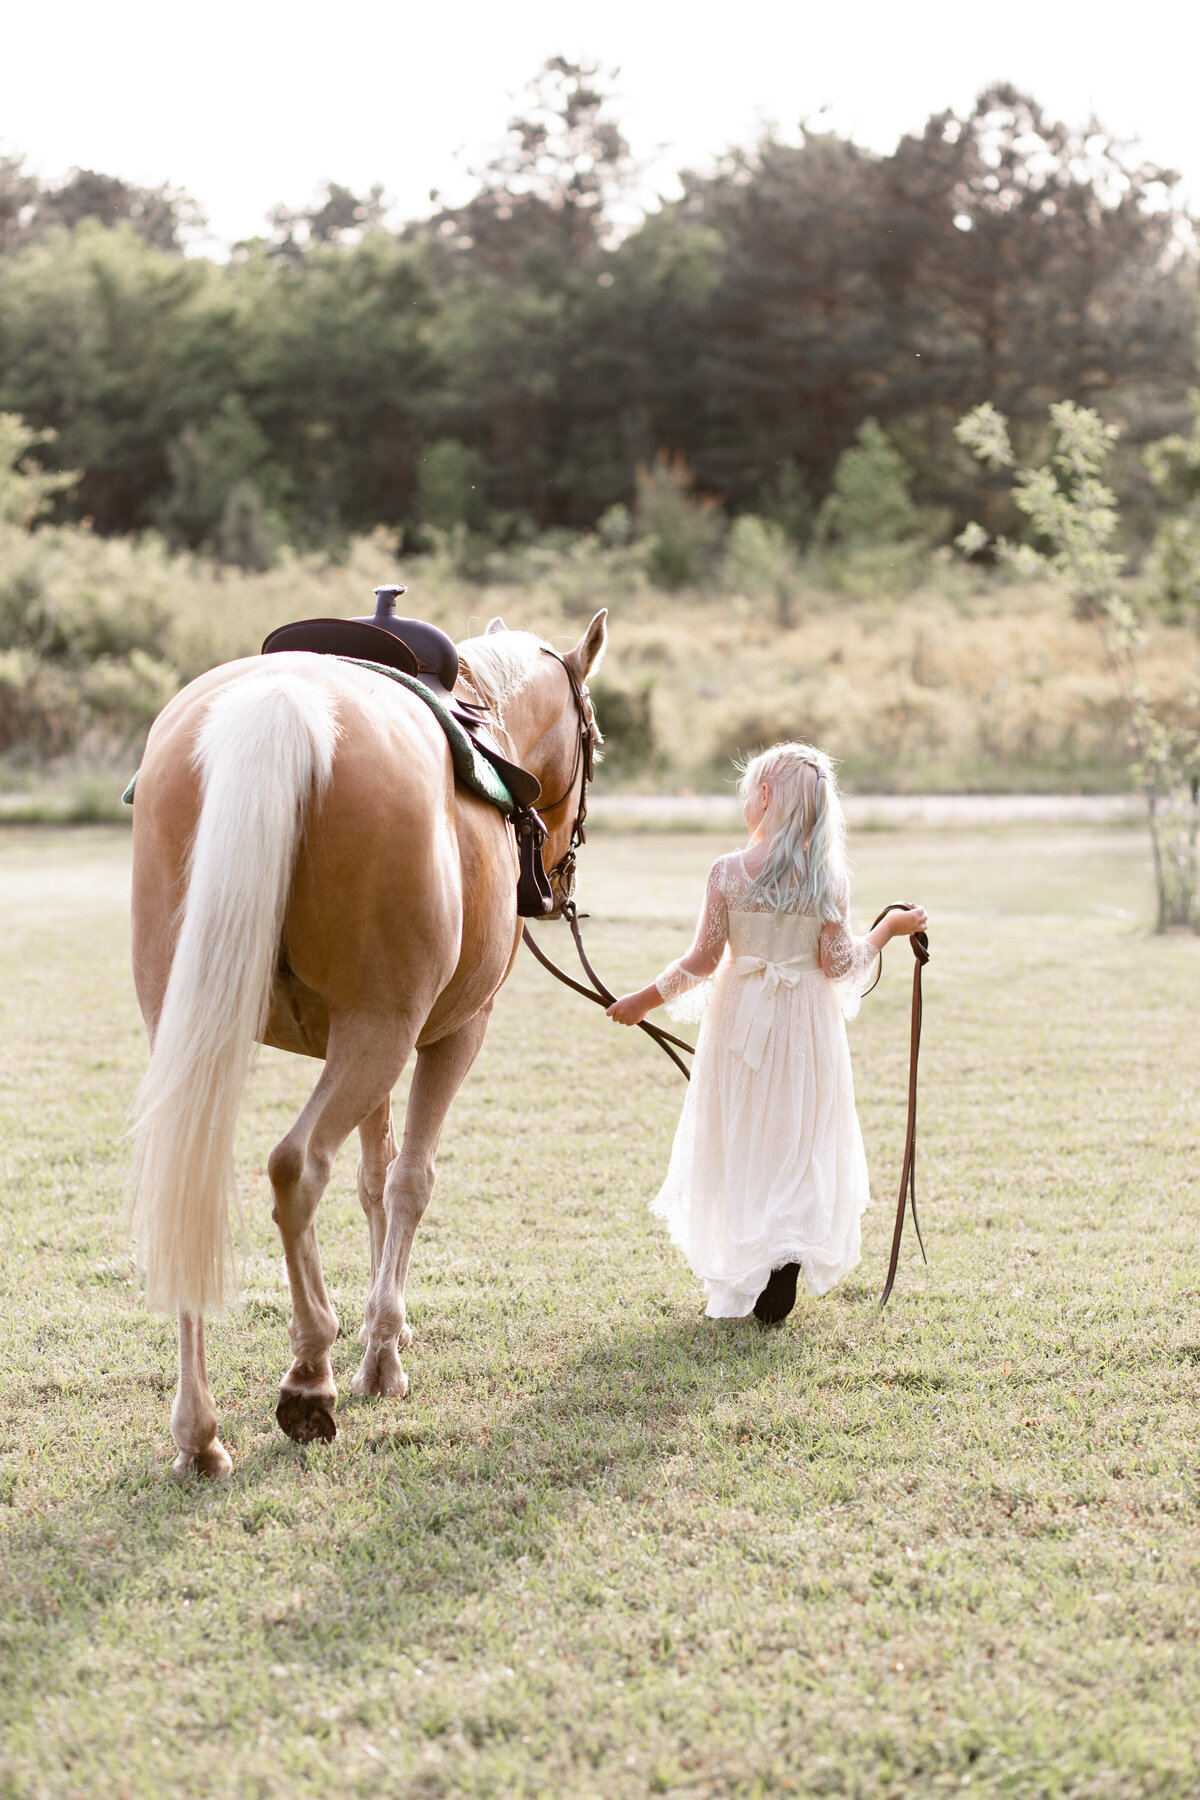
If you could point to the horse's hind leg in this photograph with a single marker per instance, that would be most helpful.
(360, 1071)
(378, 1147)
(436, 1079)
(194, 1413)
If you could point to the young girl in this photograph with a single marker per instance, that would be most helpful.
(767, 1174)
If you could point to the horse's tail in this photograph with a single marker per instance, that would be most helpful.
(264, 753)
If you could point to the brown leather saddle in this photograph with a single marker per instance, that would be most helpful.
(416, 648)
(420, 649)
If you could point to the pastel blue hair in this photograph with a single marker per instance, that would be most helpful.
(805, 828)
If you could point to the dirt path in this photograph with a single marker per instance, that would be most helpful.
(716, 811)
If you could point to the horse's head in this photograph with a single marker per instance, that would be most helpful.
(539, 698)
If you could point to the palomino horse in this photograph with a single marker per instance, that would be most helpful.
(308, 874)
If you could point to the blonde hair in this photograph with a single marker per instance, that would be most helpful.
(805, 826)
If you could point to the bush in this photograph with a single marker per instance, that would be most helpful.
(26, 490)
(760, 563)
(870, 503)
(790, 503)
(680, 531)
(244, 537)
(626, 718)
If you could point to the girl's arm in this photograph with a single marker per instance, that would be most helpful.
(850, 961)
(688, 972)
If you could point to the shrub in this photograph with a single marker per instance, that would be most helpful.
(1075, 514)
(680, 531)
(789, 503)
(26, 490)
(626, 718)
(244, 536)
(760, 563)
(870, 503)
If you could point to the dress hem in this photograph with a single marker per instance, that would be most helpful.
(735, 1295)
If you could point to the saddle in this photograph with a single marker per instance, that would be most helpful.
(423, 651)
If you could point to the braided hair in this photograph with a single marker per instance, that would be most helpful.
(805, 828)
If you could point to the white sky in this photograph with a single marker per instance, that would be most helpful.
(246, 104)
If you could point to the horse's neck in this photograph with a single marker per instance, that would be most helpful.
(529, 717)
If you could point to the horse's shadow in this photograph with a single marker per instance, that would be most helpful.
(445, 1506)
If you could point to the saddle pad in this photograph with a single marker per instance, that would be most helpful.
(471, 768)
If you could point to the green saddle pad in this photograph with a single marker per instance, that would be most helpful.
(473, 770)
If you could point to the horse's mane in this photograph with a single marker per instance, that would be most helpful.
(499, 666)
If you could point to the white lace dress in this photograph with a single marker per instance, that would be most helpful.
(767, 1166)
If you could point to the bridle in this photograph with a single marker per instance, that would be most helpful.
(564, 871)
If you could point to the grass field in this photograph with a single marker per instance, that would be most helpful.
(608, 1547)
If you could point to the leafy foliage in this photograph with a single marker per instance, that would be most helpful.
(680, 529)
(31, 210)
(1174, 466)
(1075, 513)
(26, 490)
(753, 327)
(760, 561)
(869, 502)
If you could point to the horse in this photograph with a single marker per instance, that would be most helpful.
(307, 873)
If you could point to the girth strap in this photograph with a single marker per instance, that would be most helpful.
(908, 1172)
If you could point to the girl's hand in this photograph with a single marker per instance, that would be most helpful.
(906, 924)
(630, 1009)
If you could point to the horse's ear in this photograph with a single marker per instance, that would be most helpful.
(493, 626)
(585, 657)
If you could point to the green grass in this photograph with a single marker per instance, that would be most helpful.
(608, 1547)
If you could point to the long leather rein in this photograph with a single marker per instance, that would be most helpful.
(908, 1171)
(564, 872)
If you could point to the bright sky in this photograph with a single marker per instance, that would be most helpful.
(249, 102)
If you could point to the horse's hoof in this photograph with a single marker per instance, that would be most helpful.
(380, 1376)
(306, 1418)
(405, 1338)
(212, 1464)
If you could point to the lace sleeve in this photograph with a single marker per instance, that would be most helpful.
(686, 984)
(848, 961)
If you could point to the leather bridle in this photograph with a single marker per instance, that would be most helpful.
(563, 871)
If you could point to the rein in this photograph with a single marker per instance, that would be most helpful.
(601, 995)
(908, 1171)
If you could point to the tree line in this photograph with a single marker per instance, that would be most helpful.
(511, 364)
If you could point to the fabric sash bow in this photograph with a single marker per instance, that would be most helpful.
(756, 1006)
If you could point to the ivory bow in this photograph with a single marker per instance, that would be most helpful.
(757, 1003)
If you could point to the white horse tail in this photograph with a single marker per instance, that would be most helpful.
(265, 752)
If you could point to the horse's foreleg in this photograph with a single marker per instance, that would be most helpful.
(359, 1075)
(377, 1139)
(436, 1079)
(194, 1413)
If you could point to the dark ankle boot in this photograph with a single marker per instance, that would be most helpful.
(779, 1296)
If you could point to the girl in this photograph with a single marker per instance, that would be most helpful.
(767, 1173)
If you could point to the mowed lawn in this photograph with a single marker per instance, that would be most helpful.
(608, 1547)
